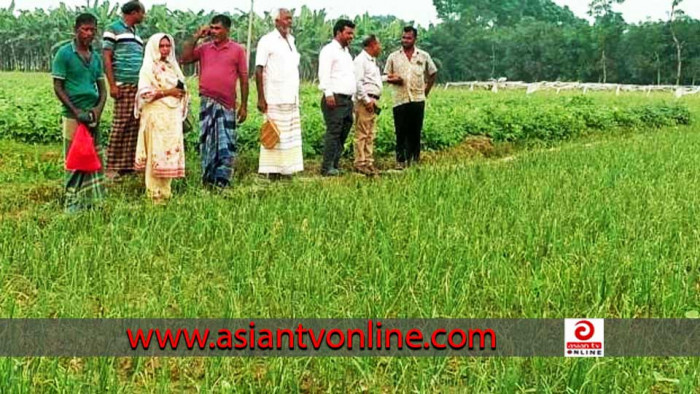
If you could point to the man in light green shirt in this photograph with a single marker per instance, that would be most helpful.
(413, 74)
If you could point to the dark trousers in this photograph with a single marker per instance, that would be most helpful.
(338, 124)
(408, 123)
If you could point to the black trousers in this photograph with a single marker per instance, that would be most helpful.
(338, 125)
(408, 123)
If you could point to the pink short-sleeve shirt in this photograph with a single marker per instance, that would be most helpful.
(221, 66)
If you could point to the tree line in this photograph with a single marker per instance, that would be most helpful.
(526, 40)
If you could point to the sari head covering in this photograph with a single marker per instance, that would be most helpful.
(158, 74)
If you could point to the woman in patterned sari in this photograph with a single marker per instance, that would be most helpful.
(161, 103)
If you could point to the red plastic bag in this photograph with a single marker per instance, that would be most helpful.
(82, 155)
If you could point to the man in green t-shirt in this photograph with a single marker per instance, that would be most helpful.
(79, 84)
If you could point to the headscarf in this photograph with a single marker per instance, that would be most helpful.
(157, 74)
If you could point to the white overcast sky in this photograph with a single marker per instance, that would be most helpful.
(420, 11)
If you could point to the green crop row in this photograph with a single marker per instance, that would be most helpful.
(29, 112)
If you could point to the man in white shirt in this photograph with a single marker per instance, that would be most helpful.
(277, 79)
(369, 90)
(336, 74)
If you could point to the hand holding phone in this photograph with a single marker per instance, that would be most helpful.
(203, 31)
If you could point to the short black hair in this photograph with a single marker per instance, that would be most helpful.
(223, 19)
(85, 19)
(340, 25)
(132, 6)
(411, 29)
(369, 40)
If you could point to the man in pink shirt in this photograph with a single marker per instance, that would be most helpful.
(222, 62)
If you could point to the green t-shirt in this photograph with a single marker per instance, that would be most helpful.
(80, 77)
(127, 51)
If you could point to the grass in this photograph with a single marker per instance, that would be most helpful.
(604, 226)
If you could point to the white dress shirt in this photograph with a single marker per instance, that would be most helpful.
(336, 71)
(368, 77)
(280, 61)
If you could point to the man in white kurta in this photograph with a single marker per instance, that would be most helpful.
(277, 78)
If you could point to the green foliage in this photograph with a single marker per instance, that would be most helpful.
(528, 40)
(503, 12)
(30, 112)
(22, 49)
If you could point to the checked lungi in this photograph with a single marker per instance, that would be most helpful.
(217, 142)
(83, 190)
(121, 151)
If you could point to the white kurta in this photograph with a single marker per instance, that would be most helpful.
(280, 61)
